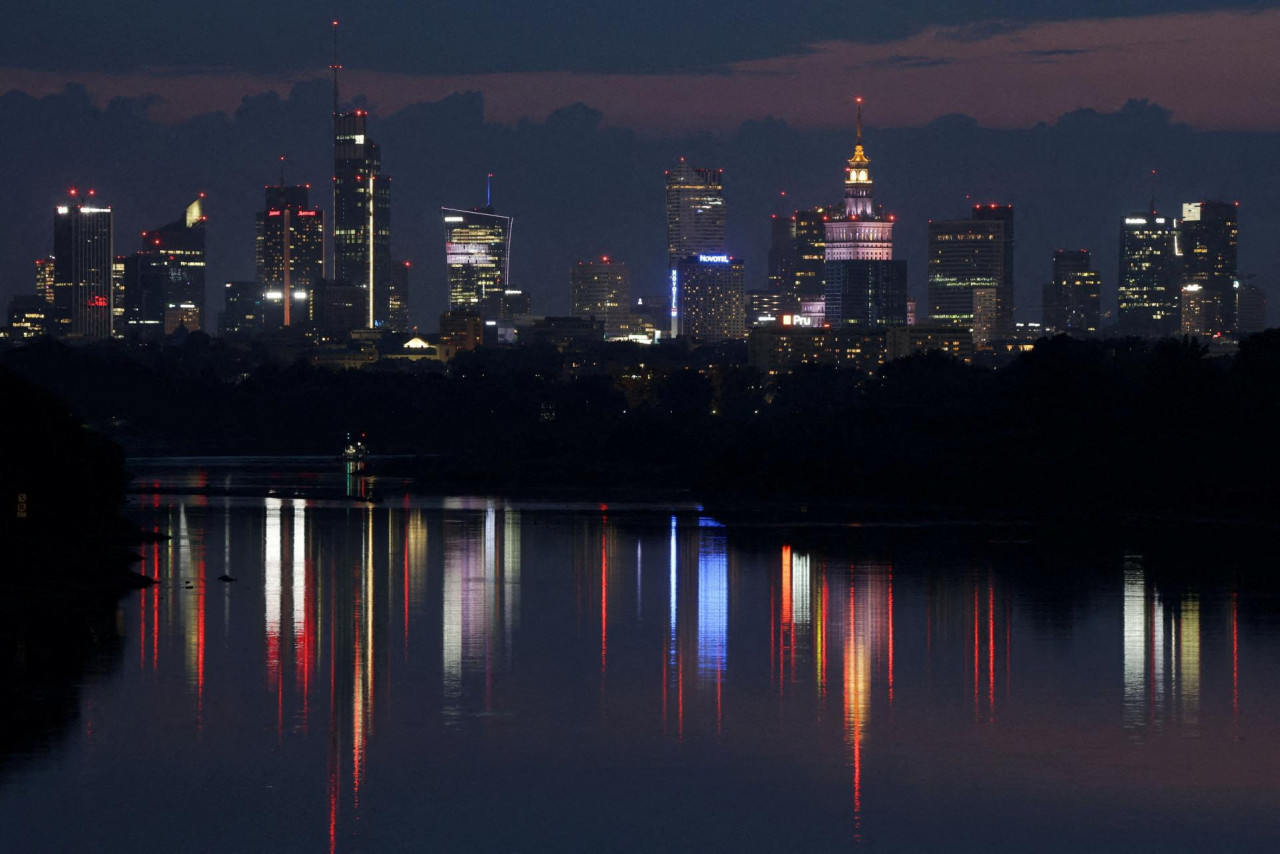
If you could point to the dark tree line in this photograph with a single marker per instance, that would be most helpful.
(1074, 426)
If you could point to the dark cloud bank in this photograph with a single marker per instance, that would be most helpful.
(578, 189)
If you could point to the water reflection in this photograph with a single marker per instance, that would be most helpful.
(476, 637)
(1162, 639)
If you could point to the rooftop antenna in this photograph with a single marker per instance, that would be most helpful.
(335, 68)
(1153, 193)
(858, 100)
(281, 170)
(488, 191)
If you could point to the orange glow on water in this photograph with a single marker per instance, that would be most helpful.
(890, 596)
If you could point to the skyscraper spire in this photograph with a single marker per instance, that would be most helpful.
(857, 180)
(488, 191)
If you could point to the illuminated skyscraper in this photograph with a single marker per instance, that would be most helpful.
(361, 214)
(712, 305)
(477, 247)
(162, 284)
(862, 285)
(82, 259)
(1200, 311)
(290, 254)
(1150, 279)
(972, 253)
(1209, 235)
(44, 278)
(863, 232)
(695, 212)
(601, 290)
(1072, 301)
(811, 253)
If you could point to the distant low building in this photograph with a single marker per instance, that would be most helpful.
(1251, 308)
(460, 330)
(29, 316)
(907, 340)
(779, 349)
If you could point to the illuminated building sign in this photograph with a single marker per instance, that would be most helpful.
(1135, 220)
(713, 259)
(675, 287)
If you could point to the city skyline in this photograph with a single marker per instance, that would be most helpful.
(760, 152)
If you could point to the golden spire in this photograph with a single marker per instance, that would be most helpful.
(859, 157)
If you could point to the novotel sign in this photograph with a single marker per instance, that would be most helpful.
(713, 259)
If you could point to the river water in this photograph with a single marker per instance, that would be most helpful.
(476, 674)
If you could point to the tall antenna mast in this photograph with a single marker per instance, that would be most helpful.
(858, 101)
(335, 67)
(488, 191)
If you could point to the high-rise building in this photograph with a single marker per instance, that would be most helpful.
(290, 254)
(862, 232)
(972, 253)
(602, 290)
(361, 215)
(711, 290)
(1151, 277)
(398, 297)
(161, 286)
(695, 212)
(782, 253)
(866, 294)
(334, 308)
(44, 278)
(1200, 311)
(863, 286)
(242, 312)
(1209, 235)
(1073, 299)
(811, 253)
(82, 260)
(477, 248)
(1251, 308)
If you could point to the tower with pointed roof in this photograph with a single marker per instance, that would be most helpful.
(857, 178)
(863, 233)
(862, 285)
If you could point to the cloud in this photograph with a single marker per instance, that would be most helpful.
(290, 38)
(900, 61)
(1010, 78)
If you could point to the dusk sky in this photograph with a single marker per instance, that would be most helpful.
(999, 101)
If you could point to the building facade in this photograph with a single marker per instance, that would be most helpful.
(1209, 235)
(1073, 298)
(82, 262)
(602, 290)
(1150, 276)
(972, 253)
(162, 285)
(477, 251)
(695, 212)
(711, 298)
(290, 254)
(361, 215)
